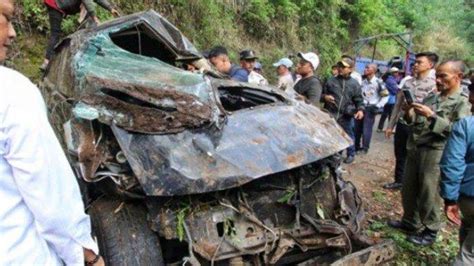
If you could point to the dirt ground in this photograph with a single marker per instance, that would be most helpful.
(369, 173)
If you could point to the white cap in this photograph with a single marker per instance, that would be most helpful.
(284, 62)
(394, 69)
(310, 57)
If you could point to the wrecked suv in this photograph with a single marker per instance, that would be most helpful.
(184, 168)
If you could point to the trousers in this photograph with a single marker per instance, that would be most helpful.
(400, 148)
(387, 113)
(347, 123)
(55, 21)
(420, 191)
(363, 131)
(466, 233)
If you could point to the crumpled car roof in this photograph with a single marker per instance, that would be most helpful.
(161, 26)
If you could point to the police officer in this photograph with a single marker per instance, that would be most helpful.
(430, 124)
(421, 85)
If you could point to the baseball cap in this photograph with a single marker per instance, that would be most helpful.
(310, 57)
(258, 65)
(394, 69)
(346, 62)
(247, 54)
(284, 62)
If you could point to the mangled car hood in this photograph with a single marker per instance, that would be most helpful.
(251, 144)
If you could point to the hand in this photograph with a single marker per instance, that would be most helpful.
(89, 255)
(115, 12)
(452, 212)
(423, 110)
(388, 133)
(300, 97)
(359, 115)
(329, 99)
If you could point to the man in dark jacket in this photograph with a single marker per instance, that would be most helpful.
(342, 97)
(58, 9)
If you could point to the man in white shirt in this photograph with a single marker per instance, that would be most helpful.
(285, 78)
(248, 60)
(375, 97)
(42, 219)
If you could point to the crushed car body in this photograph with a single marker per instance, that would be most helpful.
(236, 173)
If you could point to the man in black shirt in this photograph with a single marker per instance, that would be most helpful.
(309, 87)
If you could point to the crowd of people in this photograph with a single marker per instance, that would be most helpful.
(421, 110)
(429, 113)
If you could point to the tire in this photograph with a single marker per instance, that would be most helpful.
(123, 233)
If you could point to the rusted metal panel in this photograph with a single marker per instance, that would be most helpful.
(378, 254)
(146, 110)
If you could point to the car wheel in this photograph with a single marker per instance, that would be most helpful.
(123, 233)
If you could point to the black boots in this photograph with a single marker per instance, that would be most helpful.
(401, 226)
(393, 186)
(425, 238)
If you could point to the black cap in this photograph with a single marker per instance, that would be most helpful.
(247, 55)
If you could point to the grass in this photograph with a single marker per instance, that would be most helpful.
(379, 196)
(441, 253)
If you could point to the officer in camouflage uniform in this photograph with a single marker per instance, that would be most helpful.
(430, 124)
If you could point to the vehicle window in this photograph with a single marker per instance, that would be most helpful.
(140, 39)
(237, 98)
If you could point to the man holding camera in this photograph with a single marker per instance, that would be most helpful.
(430, 125)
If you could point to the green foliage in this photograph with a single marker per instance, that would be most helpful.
(276, 28)
(181, 216)
(288, 196)
(379, 196)
(256, 17)
(34, 13)
(440, 253)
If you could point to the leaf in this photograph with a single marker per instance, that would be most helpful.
(180, 231)
(287, 197)
(320, 211)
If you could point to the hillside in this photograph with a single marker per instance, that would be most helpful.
(276, 28)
